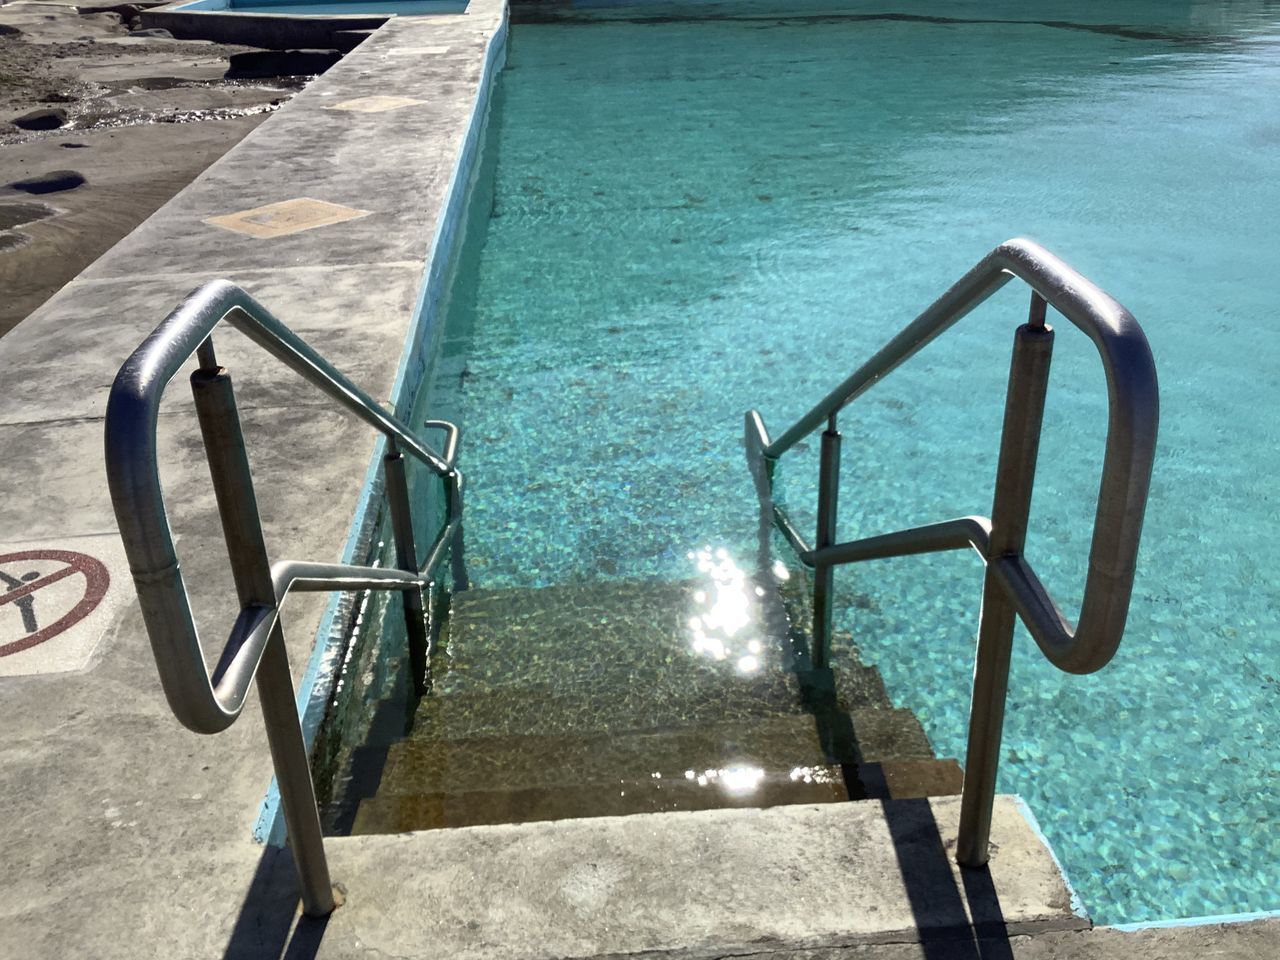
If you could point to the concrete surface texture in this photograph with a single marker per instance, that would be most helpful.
(135, 117)
(129, 172)
(293, 32)
(703, 884)
(118, 819)
(1217, 941)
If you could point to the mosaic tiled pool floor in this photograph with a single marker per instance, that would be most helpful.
(683, 219)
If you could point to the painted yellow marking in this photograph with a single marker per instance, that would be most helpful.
(286, 217)
(375, 104)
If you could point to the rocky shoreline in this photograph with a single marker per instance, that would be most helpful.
(112, 120)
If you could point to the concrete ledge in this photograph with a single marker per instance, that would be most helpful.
(1220, 941)
(690, 885)
(119, 819)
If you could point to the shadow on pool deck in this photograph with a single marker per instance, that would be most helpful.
(269, 926)
(946, 931)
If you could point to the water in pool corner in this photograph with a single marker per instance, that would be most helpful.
(686, 218)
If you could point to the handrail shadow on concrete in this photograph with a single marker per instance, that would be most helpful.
(947, 930)
(271, 925)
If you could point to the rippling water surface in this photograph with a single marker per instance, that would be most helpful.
(684, 216)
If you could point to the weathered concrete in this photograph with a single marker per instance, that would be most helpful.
(709, 884)
(126, 835)
(1216, 941)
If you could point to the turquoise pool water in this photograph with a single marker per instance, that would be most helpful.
(688, 216)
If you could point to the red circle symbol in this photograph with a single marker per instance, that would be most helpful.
(96, 582)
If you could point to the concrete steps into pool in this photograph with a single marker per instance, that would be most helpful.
(662, 636)
(811, 880)
(781, 743)
(617, 698)
(428, 784)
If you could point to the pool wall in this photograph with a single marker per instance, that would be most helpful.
(267, 30)
(334, 635)
(286, 24)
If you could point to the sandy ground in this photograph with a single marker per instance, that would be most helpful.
(145, 115)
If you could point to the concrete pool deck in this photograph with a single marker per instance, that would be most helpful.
(127, 836)
(113, 807)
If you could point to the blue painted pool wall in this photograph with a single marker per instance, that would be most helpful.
(1198, 921)
(331, 638)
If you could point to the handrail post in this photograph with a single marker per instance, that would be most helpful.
(415, 622)
(824, 573)
(242, 528)
(1011, 506)
(457, 556)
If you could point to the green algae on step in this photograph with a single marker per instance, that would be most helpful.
(716, 788)
(605, 699)
(784, 745)
(395, 813)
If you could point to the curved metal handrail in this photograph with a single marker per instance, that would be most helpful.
(202, 703)
(255, 650)
(1127, 462)
(1011, 588)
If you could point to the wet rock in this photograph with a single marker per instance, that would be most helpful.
(128, 11)
(107, 21)
(281, 63)
(47, 119)
(55, 181)
(20, 214)
(8, 30)
(10, 241)
(125, 10)
(146, 83)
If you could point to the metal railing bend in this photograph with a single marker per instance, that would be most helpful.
(1011, 588)
(209, 703)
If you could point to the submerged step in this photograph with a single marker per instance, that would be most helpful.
(499, 636)
(779, 745)
(620, 656)
(706, 790)
(603, 707)
(432, 784)
(400, 811)
(618, 698)
(648, 630)
(711, 789)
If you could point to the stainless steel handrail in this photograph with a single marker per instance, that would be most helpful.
(1011, 585)
(209, 703)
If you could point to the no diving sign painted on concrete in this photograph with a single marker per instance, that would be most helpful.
(55, 602)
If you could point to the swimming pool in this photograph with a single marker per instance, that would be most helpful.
(692, 215)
